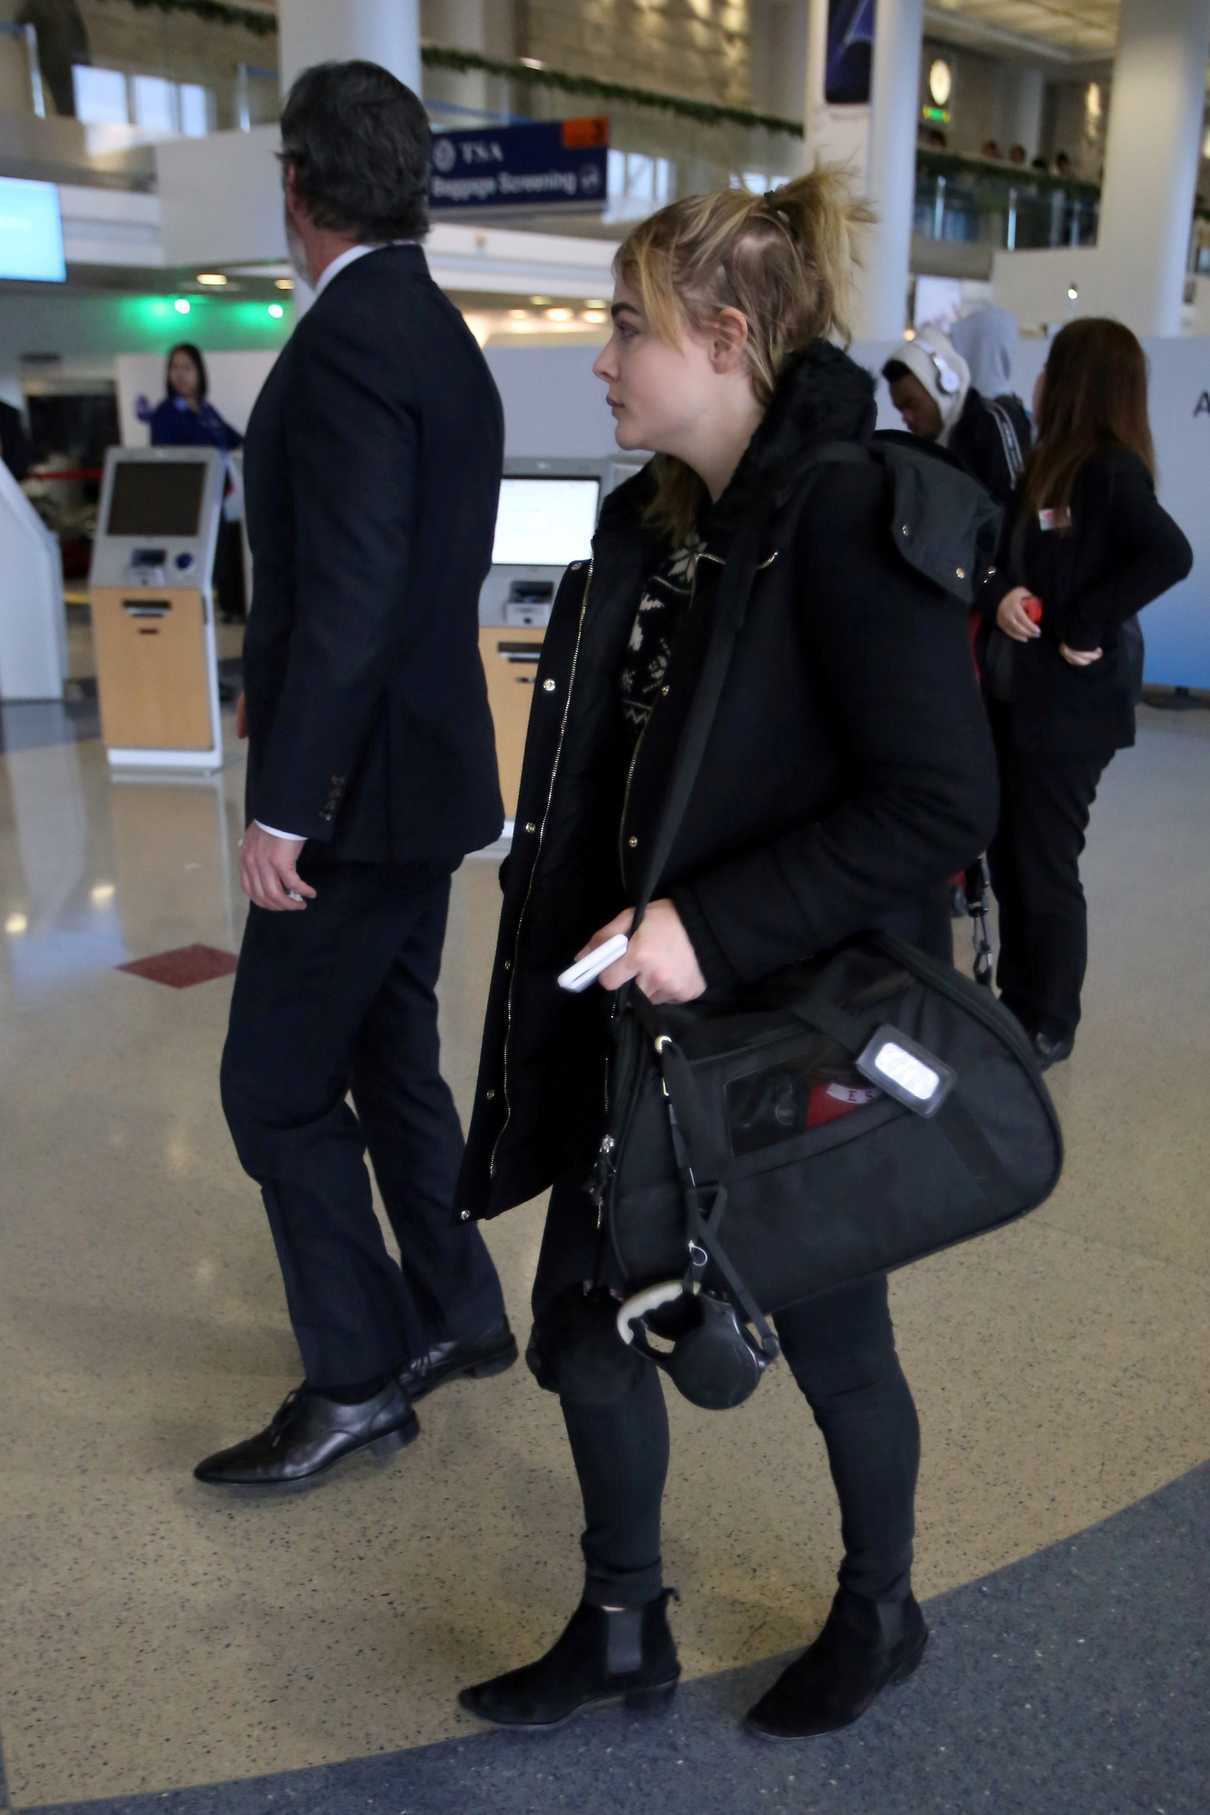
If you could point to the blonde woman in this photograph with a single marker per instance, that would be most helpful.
(849, 772)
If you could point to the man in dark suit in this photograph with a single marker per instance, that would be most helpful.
(372, 470)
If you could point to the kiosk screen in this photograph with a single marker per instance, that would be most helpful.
(545, 522)
(156, 498)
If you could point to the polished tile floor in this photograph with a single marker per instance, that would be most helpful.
(157, 1635)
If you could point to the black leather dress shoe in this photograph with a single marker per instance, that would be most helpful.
(864, 1648)
(488, 1354)
(1052, 1052)
(309, 1434)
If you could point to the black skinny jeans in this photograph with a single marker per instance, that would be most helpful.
(840, 1348)
(1046, 801)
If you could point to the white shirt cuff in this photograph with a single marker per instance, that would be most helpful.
(274, 833)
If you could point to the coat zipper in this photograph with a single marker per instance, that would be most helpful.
(512, 980)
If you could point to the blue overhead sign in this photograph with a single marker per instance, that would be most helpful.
(555, 161)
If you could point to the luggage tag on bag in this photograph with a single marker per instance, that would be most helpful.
(907, 1071)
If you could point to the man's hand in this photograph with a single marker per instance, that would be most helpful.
(268, 870)
(1080, 658)
(1013, 618)
(661, 958)
(241, 717)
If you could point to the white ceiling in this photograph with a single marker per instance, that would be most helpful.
(1069, 29)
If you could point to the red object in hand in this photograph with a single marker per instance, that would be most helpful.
(1032, 608)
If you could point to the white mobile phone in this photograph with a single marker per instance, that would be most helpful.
(586, 970)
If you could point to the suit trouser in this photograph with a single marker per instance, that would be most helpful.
(840, 1347)
(1045, 805)
(336, 999)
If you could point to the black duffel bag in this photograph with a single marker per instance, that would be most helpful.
(844, 1118)
(838, 1120)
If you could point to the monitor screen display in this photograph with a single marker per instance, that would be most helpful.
(545, 522)
(156, 498)
(31, 232)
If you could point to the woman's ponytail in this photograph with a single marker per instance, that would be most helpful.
(823, 217)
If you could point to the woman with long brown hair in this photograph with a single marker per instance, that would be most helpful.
(847, 772)
(1086, 547)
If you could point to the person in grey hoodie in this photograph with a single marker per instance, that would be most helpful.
(987, 340)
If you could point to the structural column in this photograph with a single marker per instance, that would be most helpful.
(1151, 160)
(878, 143)
(322, 31)
(1026, 99)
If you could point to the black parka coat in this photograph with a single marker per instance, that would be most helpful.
(850, 770)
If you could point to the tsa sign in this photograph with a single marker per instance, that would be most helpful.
(554, 162)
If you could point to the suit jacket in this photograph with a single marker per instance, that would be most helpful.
(372, 473)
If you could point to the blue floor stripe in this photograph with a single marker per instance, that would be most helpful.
(1072, 1683)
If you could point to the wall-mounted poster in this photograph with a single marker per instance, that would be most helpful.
(850, 52)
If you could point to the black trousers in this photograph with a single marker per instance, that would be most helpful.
(342, 998)
(1045, 805)
(841, 1350)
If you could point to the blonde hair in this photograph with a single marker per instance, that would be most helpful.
(785, 260)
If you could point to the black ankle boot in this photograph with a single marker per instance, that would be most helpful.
(601, 1657)
(864, 1647)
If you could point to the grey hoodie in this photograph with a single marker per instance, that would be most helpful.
(987, 340)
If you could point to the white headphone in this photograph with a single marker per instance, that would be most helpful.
(948, 381)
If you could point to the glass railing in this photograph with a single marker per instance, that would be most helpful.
(1007, 206)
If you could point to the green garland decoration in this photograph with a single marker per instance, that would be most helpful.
(215, 12)
(706, 113)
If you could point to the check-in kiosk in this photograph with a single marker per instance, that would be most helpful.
(152, 607)
(548, 512)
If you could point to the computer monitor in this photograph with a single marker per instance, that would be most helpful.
(156, 498)
(545, 522)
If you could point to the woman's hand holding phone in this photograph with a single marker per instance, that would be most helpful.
(660, 957)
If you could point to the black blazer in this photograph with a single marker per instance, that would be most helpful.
(372, 473)
(848, 773)
(1121, 552)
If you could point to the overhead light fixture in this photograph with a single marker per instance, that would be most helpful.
(283, 283)
(276, 311)
(941, 82)
(532, 62)
(595, 316)
(909, 333)
(596, 302)
(560, 315)
(213, 280)
(518, 315)
(16, 923)
(103, 891)
(181, 306)
(539, 302)
(1073, 293)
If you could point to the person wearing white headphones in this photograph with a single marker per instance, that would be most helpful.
(931, 387)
